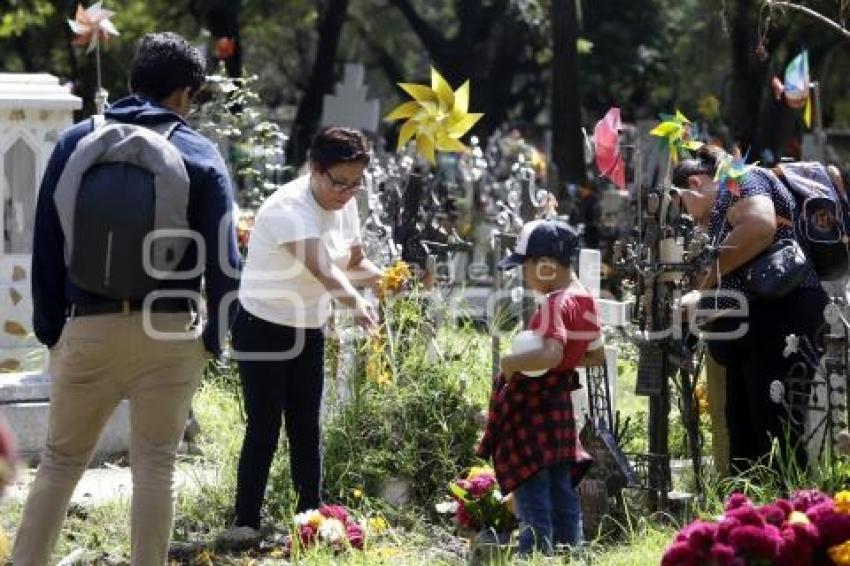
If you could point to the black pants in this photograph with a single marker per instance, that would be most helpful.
(272, 389)
(753, 362)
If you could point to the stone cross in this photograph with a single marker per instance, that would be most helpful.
(349, 106)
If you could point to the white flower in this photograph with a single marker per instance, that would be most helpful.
(446, 507)
(777, 391)
(332, 530)
(792, 345)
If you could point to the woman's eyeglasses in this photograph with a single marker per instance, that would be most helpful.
(340, 187)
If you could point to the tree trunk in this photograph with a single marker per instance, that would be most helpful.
(744, 99)
(567, 139)
(333, 14)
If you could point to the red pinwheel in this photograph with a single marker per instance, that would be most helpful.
(609, 159)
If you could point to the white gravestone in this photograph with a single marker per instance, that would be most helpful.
(611, 314)
(34, 109)
(348, 106)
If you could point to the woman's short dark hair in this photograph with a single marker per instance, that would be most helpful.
(335, 145)
(704, 163)
(165, 62)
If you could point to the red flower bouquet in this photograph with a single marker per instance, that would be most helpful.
(478, 504)
(334, 526)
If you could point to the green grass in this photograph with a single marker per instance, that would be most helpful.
(203, 506)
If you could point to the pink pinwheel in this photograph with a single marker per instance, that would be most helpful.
(609, 159)
(92, 26)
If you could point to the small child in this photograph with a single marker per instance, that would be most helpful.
(531, 431)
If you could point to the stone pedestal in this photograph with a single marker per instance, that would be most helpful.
(24, 401)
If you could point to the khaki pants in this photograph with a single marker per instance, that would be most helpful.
(716, 381)
(98, 361)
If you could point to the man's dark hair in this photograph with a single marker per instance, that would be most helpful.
(165, 62)
(338, 145)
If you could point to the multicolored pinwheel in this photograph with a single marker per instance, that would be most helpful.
(92, 26)
(797, 85)
(677, 134)
(731, 170)
(437, 116)
(606, 139)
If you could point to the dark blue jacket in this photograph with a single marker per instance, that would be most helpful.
(210, 200)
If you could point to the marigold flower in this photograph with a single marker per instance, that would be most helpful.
(840, 554)
(842, 502)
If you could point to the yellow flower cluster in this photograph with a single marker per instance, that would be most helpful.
(377, 364)
(840, 554)
(378, 525)
(476, 471)
(394, 278)
(842, 502)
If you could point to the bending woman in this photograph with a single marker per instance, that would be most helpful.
(304, 253)
(744, 221)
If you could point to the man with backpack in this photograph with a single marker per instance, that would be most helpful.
(134, 208)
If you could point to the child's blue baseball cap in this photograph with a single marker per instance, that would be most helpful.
(543, 238)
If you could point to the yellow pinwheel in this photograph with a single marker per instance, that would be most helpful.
(676, 132)
(437, 116)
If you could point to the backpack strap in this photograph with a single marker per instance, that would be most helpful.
(97, 121)
(780, 174)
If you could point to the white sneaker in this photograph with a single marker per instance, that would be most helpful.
(237, 538)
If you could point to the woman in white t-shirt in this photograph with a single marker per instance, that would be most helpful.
(305, 253)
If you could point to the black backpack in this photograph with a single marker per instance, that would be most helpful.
(122, 201)
(823, 217)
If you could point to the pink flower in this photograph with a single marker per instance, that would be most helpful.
(804, 499)
(737, 500)
(746, 515)
(680, 554)
(817, 512)
(463, 517)
(722, 554)
(355, 535)
(701, 535)
(758, 543)
(775, 513)
(307, 534)
(796, 547)
(334, 512)
(480, 485)
(834, 528)
(727, 524)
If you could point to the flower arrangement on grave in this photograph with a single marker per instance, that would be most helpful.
(478, 504)
(335, 527)
(809, 528)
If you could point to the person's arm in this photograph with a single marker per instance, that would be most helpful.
(753, 222)
(216, 207)
(361, 271)
(546, 356)
(48, 259)
(310, 253)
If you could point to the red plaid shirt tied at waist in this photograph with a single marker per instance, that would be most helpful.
(530, 422)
